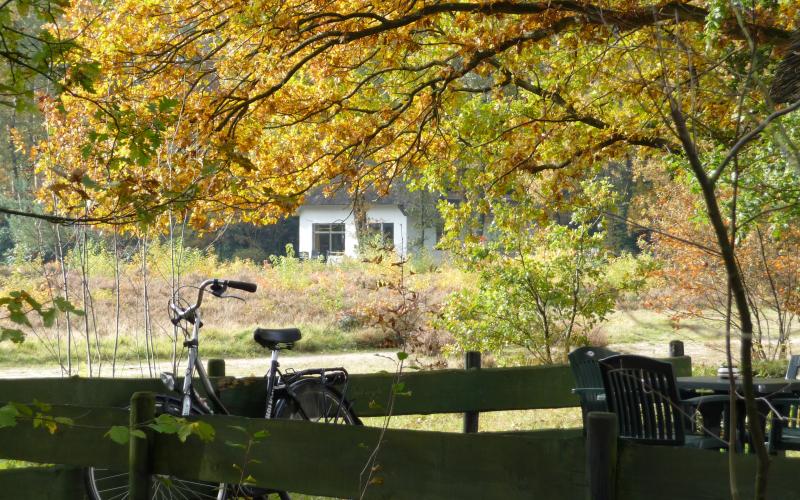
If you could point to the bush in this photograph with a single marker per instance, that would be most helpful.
(542, 287)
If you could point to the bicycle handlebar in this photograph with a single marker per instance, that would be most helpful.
(242, 285)
(218, 287)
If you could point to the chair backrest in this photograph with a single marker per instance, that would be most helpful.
(794, 366)
(643, 393)
(583, 362)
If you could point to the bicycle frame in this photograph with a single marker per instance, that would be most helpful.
(193, 363)
(329, 377)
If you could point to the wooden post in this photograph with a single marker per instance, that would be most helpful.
(216, 368)
(472, 361)
(143, 409)
(675, 348)
(601, 455)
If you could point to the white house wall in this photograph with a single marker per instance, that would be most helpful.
(338, 214)
(391, 213)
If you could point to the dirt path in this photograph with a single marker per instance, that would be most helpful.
(360, 362)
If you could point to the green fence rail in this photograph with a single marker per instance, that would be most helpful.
(488, 389)
(328, 460)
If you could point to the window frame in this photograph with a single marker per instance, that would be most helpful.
(317, 229)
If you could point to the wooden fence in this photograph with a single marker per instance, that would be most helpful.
(329, 460)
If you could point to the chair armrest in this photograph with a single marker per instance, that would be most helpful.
(711, 398)
(598, 393)
(588, 390)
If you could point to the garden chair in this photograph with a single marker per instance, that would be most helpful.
(588, 382)
(643, 393)
(784, 433)
(793, 368)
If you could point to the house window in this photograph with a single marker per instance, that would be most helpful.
(385, 229)
(328, 239)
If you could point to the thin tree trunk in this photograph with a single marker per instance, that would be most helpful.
(740, 299)
(146, 308)
(84, 279)
(174, 280)
(733, 418)
(360, 219)
(117, 306)
(60, 253)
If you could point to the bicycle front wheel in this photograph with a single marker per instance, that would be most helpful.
(106, 484)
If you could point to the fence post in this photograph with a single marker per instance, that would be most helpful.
(143, 409)
(216, 367)
(601, 455)
(675, 348)
(472, 361)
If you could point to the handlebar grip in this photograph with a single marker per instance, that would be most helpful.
(242, 285)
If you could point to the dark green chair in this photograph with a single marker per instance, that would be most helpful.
(644, 395)
(784, 432)
(588, 381)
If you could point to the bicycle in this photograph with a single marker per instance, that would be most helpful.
(311, 394)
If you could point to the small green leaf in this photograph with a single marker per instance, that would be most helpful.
(235, 445)
(119, 434)
(64, 420)
(42, 406)
(8, 415)
(12, 334)
(19, 318)
(238, 428)
(165, 105)
(261, 434)
(204, 431)
(166, 424)
(184, 432)
(49, 316)
(64, 305)
(402, 355)
(23, 409)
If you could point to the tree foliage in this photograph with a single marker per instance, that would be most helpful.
(695, 280)
(245, 106)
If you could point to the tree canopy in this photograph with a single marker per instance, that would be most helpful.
(221, 107)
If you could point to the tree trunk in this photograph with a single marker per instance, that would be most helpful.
(737, 287)
(360, 218)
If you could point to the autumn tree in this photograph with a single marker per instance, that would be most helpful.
(219, 108)
(694, 280)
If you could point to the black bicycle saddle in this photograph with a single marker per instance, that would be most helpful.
(276, 338)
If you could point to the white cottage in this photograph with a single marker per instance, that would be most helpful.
(327, 225)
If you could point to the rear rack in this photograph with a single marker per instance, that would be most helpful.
(328, 376)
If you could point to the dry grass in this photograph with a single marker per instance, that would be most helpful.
(328, 303)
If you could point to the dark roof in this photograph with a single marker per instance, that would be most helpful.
(341, 196)
(786, 86)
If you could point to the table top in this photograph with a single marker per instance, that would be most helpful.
(762, 386)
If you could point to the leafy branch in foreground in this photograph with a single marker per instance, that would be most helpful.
(20, 304)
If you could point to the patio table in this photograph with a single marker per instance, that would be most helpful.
(764, 387)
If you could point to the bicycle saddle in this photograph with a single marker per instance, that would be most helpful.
(276, 338)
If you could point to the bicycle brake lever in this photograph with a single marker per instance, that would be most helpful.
(217, 289)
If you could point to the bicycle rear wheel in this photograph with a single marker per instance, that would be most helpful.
(310, 400)
(107, 484)
(306, 400)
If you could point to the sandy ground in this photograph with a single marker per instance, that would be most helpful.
(360, 362)
(706, 351)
